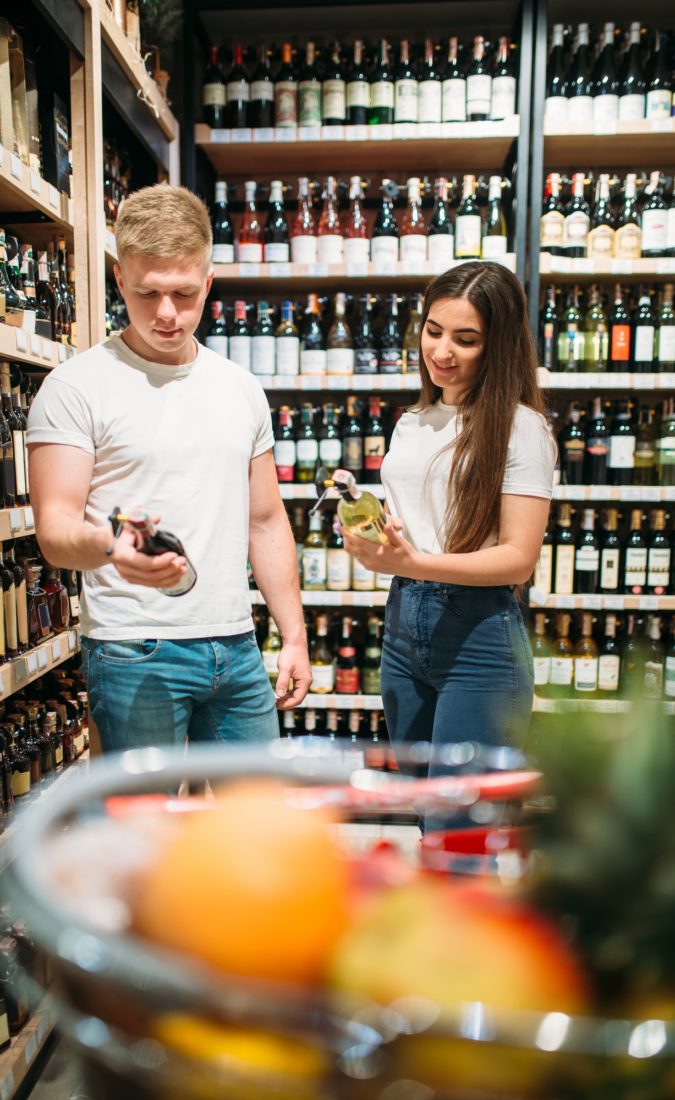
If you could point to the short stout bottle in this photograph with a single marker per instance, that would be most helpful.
(586, 659)
(609, 661)
(635, 557)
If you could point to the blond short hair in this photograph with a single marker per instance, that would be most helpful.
(163, 222)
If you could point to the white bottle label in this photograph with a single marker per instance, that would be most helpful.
(670, 229)
(659, 103)
(240, 350)
(406, 101)
(384, 249)
(586, 674)
(494, 247)
(358, 94)
(635, 572)
(644, 343)
(214, 95)
(323, 678)
(218, 344)
(440, 251)
(454, 101)
(467, 236)
(556, 108)
(576, 229)
(658, 567)
(653, 230)
(562, 671)
(362, 579)
(503, 97)
(270, 660)
(609, 665)
(250, 253)
(314, 568)
(238, 90)
(667, 344)
(276, 253)
(262, 91)
(330, 452)
(587, 559)
(621, 452)
(609, 570)
(339, 570)
(340, 360)
(430, 101)
(285, 453)
(669, 685)
(382, 94)
(413, 249)
(631, 107)
(543, 573)
(334, 99)
(357, 251)
(542, 671)
(307, 451)
(331, 249)
(580, 108)
(478, 95)
(303, 250)
(564, 571)
(383, 581)
(288, 355)
(223, 254)
(263, 354)
(605, 109)
(312, 361)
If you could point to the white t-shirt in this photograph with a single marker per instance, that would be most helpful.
(176, 441)
(416, 487)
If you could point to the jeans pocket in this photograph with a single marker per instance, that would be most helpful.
(474, 603)
(128, 650)
(529, 658)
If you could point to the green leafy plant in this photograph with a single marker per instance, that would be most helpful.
(161, 23)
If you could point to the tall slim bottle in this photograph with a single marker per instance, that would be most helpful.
(555, 107)
(331, 240)
(406, 90)
(358, 89)
(286, 91)
(430, 87)
(413, 241)
(579, 83)
(381, 110)
(250, 239)
(454, 86)
(468, 223)
(503, 83)
(605, 82)
(339, 341)
(631, 79)
(478, 84)
(494, 244)
(303, 232)
(440, 234)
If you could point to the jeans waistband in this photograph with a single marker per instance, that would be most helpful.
(443, 586)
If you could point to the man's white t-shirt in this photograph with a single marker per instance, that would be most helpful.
(416, 486)
(176, 441)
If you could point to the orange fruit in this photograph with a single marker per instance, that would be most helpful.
(255, 886)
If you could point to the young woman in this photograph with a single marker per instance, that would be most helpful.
(468, 479)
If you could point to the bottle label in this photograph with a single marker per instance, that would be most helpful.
(551, 229)
(577, 225)
(609, 665)
(262, 91)
(467, 236)
(362, 579)
(644, 343)
(621, 452)
(358, 94)
(609, 570)
(440, 251)
(562, 671)
(373, 452)
(238, 91)
(494, 247)
(309, 103)
(384, 249)
(659, 103)
(383, 581)
(286, 103)
(314, 567)
(250, 252)
(312, 361)
(620, 350)
(413, 249)
(284, 459)
(543, 573)
(600, 242)
(478, 95)
(596, 346)
(222, 254)
(631, 107)
(303, 250)
(658, 569)
(542, 671)
(406, 101)
(347, 681)
(323, 679)
(240, 351)
(503, 97)
(670, 230)
(556, 108)
(357, 250)
(580, 108)
(635, 571)
(217, 344)
(628, 242)
(605, 109)
(20, 783)
(270, 660)
(586, 674)
(330, 249)
(411, 360)
(352, 454)
(372, 681)
(214, 95)
(454, 101)
(334, 99)
(670, 677)
(564, 571)
(587, 559)
(365, 361)
(391, 360)
(666, 344)
(340, 360)
(653, 679)
(307, 452)
(339, 570)
(276, 252)
(330, 452)
(288, 355)
(653, 230)
(263, 353)
(430, 101)
(382, 94)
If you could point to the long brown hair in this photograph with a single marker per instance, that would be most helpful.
(507, 378)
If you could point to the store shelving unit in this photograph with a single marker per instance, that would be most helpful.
(602, 603)
(17, 1061)
(324, 598)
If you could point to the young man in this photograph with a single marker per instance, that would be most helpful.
(151, 418)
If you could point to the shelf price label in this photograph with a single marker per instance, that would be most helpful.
(7, 1086)
(32, 663)
(220, 137)
(240, 136)
(591, 603)
(42, 658)
(30, 1050)
(28, 517)
(56, 651)
(15, 166)
(52, 196)
(263, 136)
(20, 669)
(20, 338)
(565, 601)
(613, 603)
(36, 345)
(648, 603)
(72, 640)
(15, 522)
(35, 182)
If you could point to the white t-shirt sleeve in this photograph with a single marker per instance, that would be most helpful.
(264, 435)
(61, 414)
(531, 456)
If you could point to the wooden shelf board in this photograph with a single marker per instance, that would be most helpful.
(285, 276)
(342, 702)
(621, 494)
(19, 671)
(601, 603)
(23, 190)
(358, 383)
(298, 491)
(605, 380)
(137, 74)
(17, 1060)
(16, 522)
(24, 347)
(627, 270)
(332, 599)
(619, 145)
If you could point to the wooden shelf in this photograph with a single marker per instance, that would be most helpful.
(583, 269)
(109, 251)
(349, 382)
(616, 145)
(400, 147)
(604, 380)
(137, 74)
(296, 491)
(332, 599)
(601, 603)
(26, 347)
(17, 1060)
(342, 702)
(594, 706)
(622, 494)
(24, 191)
(16, 522)
(18, 672)
(296, 276)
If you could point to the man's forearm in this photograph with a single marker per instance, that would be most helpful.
(69, 543)
(275, 567)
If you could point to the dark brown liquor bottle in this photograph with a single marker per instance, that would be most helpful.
(18, 437)
(19, 574)
(9, 609)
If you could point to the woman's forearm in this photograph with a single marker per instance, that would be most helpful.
(502, 564)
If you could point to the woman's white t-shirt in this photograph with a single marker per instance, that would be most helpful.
(416, 486)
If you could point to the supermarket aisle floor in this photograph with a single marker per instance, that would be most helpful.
(58, 1077)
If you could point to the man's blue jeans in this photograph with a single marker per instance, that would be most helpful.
(168, 691)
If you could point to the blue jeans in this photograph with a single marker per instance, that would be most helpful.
(456, 666)
(166, 692)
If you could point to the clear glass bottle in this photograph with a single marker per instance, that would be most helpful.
(339, 341)
(315, 556)
(321, 660)
(413, 240)
(303, 233)
(494, 244)
(330, 243)
(357, 241)
(468, 224)
(287, 342)
(250, 238)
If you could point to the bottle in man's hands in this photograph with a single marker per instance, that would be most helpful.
(155, 542)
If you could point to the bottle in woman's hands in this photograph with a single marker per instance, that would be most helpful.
(153, 542)
(360, 513)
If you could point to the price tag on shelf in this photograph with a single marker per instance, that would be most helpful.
(622, 267)
(63, 353)
(538, 598)
(661, 125)
(42, 658)
(384, 132)
(20, 669)
(43, 1027)
(583, 267)
(332, 133)
(310, 133)
(565, 602)
(603, 128)
(240, 136)
(384, 265)
(21, 341)
(28, 517)
(280, 271)
(15, 166)
(30, 1050)
(631, 493)
(249, 271)
(285, 133)
(357, 270)
(72, 640)
(665, 267)
(405, 131)
(357, 133)
(47, 350)
(431, 130)
(613, 603)
(35, 182)
(669, 493)
(7, 1086)
(263, 136)
(600, 492)
(648, 603)
(651, 494)
(36, 345)
(317, 271)
(591, 603)
(220, 137)
(52, 196)
(57, 652)
(666, 381)
(561, 265)
(32, 663)
(15, 519)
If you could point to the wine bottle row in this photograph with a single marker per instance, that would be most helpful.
(627, 77)
(619, 224)
(607, 657)
(316, 345)
(39, 600)
(476, 230)
(354, 438)
(608, 330)
(117, 177)
(339, 663)
(326, 87)
(38, 298)
(363, 734)
(633, 448)
(613, 560)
